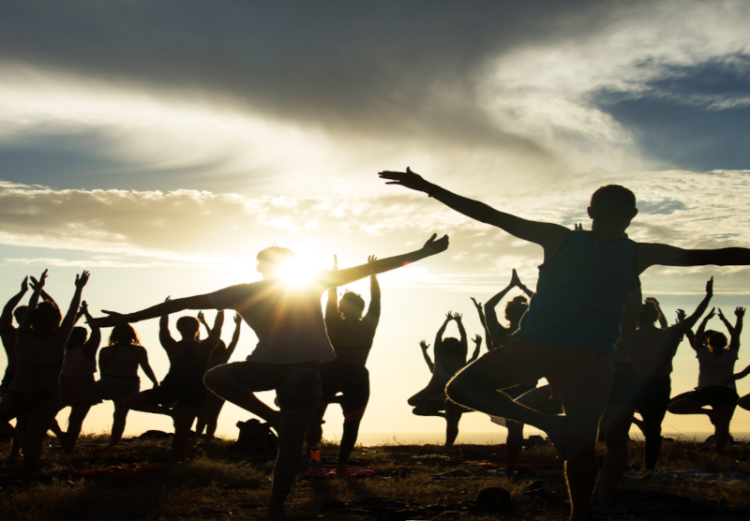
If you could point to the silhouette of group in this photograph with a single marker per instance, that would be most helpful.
(586, 330)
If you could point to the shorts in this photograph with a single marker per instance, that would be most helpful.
(623, 384)
(352, 381)
(117, 388)
(715, 395)
(31, 399)
(297, 386)
(576, 376)
(77, 390)
(165, 395)
(652, 392)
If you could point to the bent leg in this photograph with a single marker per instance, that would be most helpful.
(183, 421)
(212, 416)
(744, 402)
(141, 402)
(217, 381)
(453, 414)
(39, 420)
(118, 421)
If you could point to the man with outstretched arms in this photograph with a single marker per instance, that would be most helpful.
(292, 342)
(573, 322)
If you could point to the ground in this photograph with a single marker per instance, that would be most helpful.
(220, 484)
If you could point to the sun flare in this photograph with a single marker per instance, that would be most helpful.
(296, 273)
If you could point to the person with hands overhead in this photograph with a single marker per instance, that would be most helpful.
(77, 384)
(514, 311)
(188, 359)
(209, 415)
(292, 342)
(569, 331)
(35, 390)
(716, 387)
(450, 357)
(346, 380)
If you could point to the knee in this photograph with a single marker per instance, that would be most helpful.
(214, 377)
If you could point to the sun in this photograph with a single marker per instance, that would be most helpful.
(296, 273)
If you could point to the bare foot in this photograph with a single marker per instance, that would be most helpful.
(556, 433)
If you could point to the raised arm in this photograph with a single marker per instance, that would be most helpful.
(346, 276)
(550, 236)
(202, 319)
(689, 322)
(235, 335)
(165, 308)
(91, 346)
(462, 331)
(143, 362)
(663, 323)
(477, 346)
(648, 255)
(439, 335)
(483, 320)
(520, 285)
(37, 286)
(425, 346)
(700, 333)
(735, 342)
(165, 337)
(332, 304)
(70, 317)
(6, 319)
(372, 318)
(213, 339)
(490, 305)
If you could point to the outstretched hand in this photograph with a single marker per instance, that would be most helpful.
(476, 304)
(424, 345)
(371, 259)
(578, 227)
(515, 279)
(721, 315)
(710, 286)
(40, 283)
(711, 313)
(477, 339)
(434, 246)
(201, 317)
(740, 312)
(406, 179)
(25, 284)
(113, 318)
(82, 279)
(681, 315)
(457, 316)
(449, 316)
(237, 319)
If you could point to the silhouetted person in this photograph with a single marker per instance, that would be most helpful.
(209, 415)
(514, 311)
(450, 357)
(77, 384)
(288, 321)
(188, 359)
(118, 367)
(346, 380)
(743, 402)
(715, 388)
(35, 390)
(573, 322)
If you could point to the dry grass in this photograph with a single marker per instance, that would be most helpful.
(221, 485)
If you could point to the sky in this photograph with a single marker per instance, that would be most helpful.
(162, 145)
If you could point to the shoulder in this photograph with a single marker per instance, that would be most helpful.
(228, 297)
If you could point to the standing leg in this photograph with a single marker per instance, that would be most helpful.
(39, 420)
(453, 415)
(616, 430)
(8, 411)
(212, 420)
(217, 382)
(183, 421)
(78, 413)
(141, 402)
(723, 419)
(292, 427)
(513, 446)
(653, 411)
(118, 421)
(315, 427)
(200, 424)
(581, 468)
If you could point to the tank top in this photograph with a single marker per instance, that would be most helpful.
(186, 372)
(76, 364)
(581, 294)
(714, 369)
(123, 356)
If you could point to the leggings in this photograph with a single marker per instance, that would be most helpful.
(652, 399)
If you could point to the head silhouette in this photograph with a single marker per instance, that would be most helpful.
(516, 308)
(46, 318)
(351, 306)
(78, 336)
(612, 208)
(716, 342)
(649, 314)
(188, 327)
(19, 312)
(124, 335)
(272, 259)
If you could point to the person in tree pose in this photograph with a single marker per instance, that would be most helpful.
(716, 387)
(569, 333)
(351, 336)
(288, 321)
(450, 357)
(77, 384)
(514, 311)
(188, 359)
(35, 390)
(209, 415)
(118, 367)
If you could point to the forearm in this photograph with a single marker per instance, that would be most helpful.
(7, 317)
(495, 300)
(348, 275)
(428, 361)
(150, 373)
(70, 317)
(171, 306)
(698, 313)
